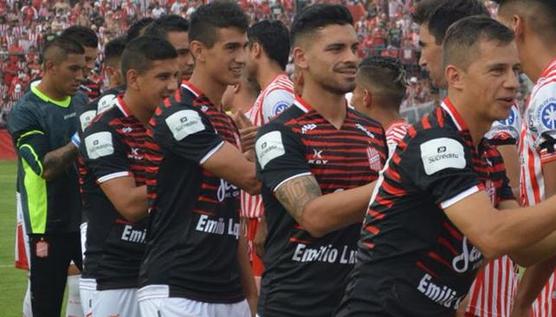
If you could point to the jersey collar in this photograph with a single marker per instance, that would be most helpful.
(189, 86)
(61, 103)
(302, 104)
(454, 114)
(120, 103)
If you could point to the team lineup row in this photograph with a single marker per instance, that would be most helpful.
(361, 213)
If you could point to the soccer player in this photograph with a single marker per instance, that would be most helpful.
(269, 49)
(112, 67)
(196, 259)
(435, 211)
(43, 127)
(89, 40)
(316, 161)
(379, 91)
(534, 23)
(174, 29)
(488, 295)
(114, 192)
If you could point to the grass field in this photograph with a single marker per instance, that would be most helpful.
(12, 280)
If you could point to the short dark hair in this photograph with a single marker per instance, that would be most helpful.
(274, 37)
(541, 17)
(438, 15)
(137, 27)
(59, 48)
(142, 51)
(463, 38)
(385, 76)
(215, 15)
(316, 16)
(114, 49)
(166, 24)
(84, 35)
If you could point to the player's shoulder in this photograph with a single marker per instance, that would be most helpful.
(79, 99)
(542, 106)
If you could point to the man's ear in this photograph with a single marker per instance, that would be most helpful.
(198, 50)
(454, 76)
(367, 98)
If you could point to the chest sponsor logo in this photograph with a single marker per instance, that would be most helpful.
(324, 254)
(106, 102)
(85, 118)
(219, 226)
(226, 190)
(184, 123)
(442, 153)
(99, 144)
(269, 147)
(317, 158)
(133, 235)
(440, 294)
(365, 130)
(307, 127)
(469, 259)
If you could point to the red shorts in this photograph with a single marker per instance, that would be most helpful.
(256, 262)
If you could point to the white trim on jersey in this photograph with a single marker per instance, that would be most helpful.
(459, 197)
(211, 153)
(290, 178)
(112, 176)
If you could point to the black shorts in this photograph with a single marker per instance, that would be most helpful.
(50, 256)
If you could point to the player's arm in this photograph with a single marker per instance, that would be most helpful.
(33, 146)
(275, 103)
(247, 280)
(105, 157)
(283, 168)
(189, 134)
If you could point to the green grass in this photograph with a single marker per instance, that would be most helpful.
(12, 281)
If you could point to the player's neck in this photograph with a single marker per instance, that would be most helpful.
(47, 87)
(208, 86)
(267, 74)
(476, 123)
(539, 56)
(331, 106)
(136, 105)
(386, 117)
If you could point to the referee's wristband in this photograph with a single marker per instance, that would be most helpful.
(75, 140)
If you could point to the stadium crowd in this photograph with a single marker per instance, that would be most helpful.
(253, 158)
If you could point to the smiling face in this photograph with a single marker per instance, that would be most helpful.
(158, 82)
(225, 60)
(329, 58)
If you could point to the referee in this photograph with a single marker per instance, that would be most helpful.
(43, 126)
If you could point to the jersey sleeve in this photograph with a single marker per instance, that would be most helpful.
(543, 116)
(275, 103)
(505, 132)
(186, 132)
(104, 153)
(439, 164)
(280, 155)
(28, 136)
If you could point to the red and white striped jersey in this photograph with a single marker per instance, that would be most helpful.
(272, 101)
(494, 287)
(536, 149)
(394, 134)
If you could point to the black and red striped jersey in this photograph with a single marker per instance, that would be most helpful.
(412, 260)
(194, 230)
(90, 88)
(113, 145)
(297, 143)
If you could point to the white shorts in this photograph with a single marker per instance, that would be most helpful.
(183, 307)
(83, 230)
(116, 302)
(87, 290)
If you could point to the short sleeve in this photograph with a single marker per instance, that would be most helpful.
(543, 121)
(186, 132)
(505, 132)
(28, 136)
(104, 153)
(437, 162)
(280, 155)
(275, 103)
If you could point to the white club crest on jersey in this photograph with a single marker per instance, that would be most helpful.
(442, 153)
(184, 123)
(99, 144)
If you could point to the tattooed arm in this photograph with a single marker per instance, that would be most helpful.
(57, 161)
(320, 214)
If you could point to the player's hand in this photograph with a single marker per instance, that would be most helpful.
(260, 237)
(248, 137)
(241, 120)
